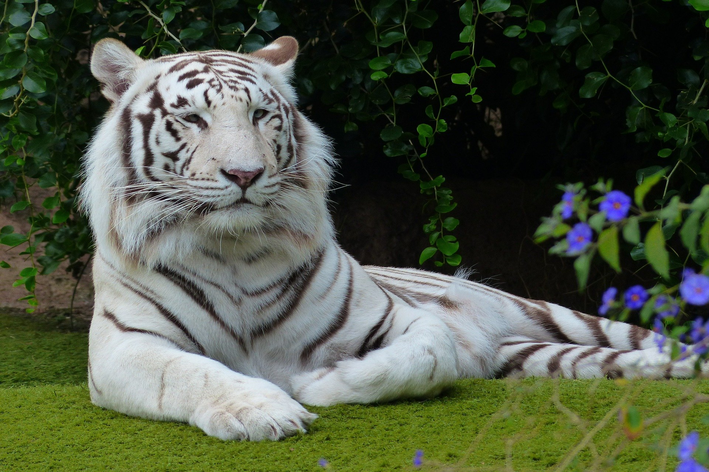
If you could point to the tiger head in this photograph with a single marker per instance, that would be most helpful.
(204, 143)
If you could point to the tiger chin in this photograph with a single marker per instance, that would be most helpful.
(222, 297)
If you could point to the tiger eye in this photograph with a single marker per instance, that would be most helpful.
(259, 113)
(192, 118)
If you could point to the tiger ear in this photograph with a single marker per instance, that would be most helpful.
(114, 65)
(280, 53)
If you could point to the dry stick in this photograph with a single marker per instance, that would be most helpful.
(495, 417)
(573, 417)
(589, 436)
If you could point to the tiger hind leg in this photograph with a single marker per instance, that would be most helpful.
(417, 359)
(524, 357)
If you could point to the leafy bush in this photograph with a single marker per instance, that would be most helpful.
(397, 68)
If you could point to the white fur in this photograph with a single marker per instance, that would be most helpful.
(221, 317)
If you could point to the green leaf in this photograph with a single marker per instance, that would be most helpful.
(492, 6)
(584, 57)
(454, 260)
(9, 92)
(378, 75)
(665, 152)
(19, 17)
(592, 83)
(27, 121)
(588, 16)
(426, 91)
(391, 132)
(466, 13)
(407, 66)
(704, 235)
(425, 130)
(252, 42)
(447, 248)
(13, 240)
(647, 184)
(602, 43)
(83, 6)
(51, 202)
(379, 63)
(486, 63)
(537, 26)
(190, 33)
(34, 83)
(463, 52)
(467, 35)
(655, 250)
(19, 206)
(461, 78)
(267, 20)
(391, 37)
(608, 247)
(631, 230)
(690, 231)
(45, 9)
(423, 19)
(446, 208)
(5, 265)
(15, 60)
(582, 265)
(596, 222)
(404, 93)
(450, 100)
(60, 216)
(565, 35)
(640, 78)
(450, 223)
(700, 5)
(512, 31)
(28, 272)
(47, 180)
(39, 31)
(426, 254)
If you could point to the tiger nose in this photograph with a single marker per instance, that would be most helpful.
(242, 178)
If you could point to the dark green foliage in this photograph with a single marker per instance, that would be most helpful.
(603, 79)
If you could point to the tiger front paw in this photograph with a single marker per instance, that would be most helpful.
(253, 416)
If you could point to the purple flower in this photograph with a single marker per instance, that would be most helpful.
(616, 205)
(666, 306)
(568, 209)
(688, 446)
(690, 465)
(659, 329)
(323, 463)
(699, 330)
(608, 300)
(694, 288)
(635, 297)
(579, 237)
(418, 458)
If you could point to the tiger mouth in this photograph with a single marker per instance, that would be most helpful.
(241, 202)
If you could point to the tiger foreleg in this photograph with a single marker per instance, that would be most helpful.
(524, 357)
(142, 375)
(418, 359)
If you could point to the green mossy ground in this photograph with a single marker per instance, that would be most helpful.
(48, 423)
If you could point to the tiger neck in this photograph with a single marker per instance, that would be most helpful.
(275, 247)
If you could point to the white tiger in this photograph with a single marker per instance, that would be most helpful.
(222, 297)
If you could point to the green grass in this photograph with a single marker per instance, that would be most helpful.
(47, 422)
